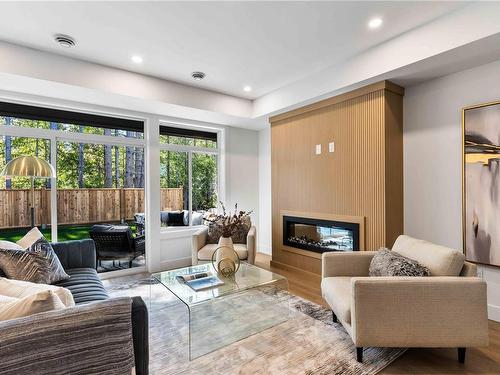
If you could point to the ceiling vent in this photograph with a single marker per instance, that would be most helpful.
(198, 76)
(64, 40)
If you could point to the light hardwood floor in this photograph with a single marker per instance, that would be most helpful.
(415, 361)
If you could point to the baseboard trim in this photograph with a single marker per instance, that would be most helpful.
(494, 313)
(287, 267)
(264, 249)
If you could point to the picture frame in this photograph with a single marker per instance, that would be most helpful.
(481, 183)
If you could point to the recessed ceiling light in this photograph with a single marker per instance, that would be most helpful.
(64, 40)
(198, 76)
(375, 23)
(247, 89)
(137, 59)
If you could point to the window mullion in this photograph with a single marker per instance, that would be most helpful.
(53, 190)
(190, 186)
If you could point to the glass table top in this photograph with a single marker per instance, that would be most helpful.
(247, 277)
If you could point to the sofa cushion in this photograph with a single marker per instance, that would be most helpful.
(391, 263)
(20, 289)
(43, 301)
(85, 285)
(206, 252)
(440, 260)
(337, 292)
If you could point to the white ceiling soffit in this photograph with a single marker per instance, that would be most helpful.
(427, 45)
(265, 45)
(458, 40)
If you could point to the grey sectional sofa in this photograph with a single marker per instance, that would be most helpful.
(79, 261)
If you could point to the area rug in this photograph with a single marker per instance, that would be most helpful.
(307, 343)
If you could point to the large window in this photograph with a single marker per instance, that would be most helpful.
(15, 193)
(99, 184)
(188, 163)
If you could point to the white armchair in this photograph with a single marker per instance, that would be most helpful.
(202, 252)
(447, 309)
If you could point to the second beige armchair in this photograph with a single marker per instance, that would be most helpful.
(448, 309)
(202, 251)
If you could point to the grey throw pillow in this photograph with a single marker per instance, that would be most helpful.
(390, 263)
(38, 263)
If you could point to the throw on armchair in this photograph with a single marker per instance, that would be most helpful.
(446, 310)
(202, 251)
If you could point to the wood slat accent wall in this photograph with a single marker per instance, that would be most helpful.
(363, 177)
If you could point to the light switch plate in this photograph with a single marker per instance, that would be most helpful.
(318, 149)
(331, 146)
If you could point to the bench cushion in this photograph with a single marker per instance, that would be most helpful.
(85, 285)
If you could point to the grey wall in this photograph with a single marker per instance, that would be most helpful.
(432, 159)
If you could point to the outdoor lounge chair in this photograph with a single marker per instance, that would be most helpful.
(115, 242)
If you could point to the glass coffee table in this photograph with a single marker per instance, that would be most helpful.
(252, 301)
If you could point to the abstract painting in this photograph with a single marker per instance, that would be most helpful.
(481, 174)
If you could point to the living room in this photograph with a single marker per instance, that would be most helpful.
(249, 187)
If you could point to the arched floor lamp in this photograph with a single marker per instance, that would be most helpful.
(29, 166)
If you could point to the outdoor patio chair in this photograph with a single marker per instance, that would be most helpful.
(115, 242)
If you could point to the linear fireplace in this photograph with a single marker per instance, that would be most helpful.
(320, 235)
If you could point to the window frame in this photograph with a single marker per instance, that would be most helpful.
(199, 150)
(55, 136)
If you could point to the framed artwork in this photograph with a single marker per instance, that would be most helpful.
(481, 183)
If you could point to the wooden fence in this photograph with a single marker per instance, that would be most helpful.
(79, 206)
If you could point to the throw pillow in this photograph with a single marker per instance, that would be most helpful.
(33, 304)
(390, 263)
(38, 263)
(176, 219)
(20, 289)
(30, 238)
(7, 245)
(214, 233)
(240, 234)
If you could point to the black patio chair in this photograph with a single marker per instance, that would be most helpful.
(115, 242)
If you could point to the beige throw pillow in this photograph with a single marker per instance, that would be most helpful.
(7, 245)
(40, 302)
(30, 238)
(20, 289)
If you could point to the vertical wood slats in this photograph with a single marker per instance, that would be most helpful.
(79, 206)
(349, 181)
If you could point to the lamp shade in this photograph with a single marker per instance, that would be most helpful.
(29, 166)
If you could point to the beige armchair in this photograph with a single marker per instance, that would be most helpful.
(202, 252)
(447, 309)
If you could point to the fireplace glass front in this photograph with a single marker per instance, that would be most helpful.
(320, 235)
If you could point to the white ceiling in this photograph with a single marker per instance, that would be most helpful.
(266, 45)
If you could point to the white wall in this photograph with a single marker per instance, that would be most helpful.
(242, 170)
(265, 225)
(432, 159)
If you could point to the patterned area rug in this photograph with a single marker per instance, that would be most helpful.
(307, 343)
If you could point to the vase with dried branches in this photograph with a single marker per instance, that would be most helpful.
(225, 259)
